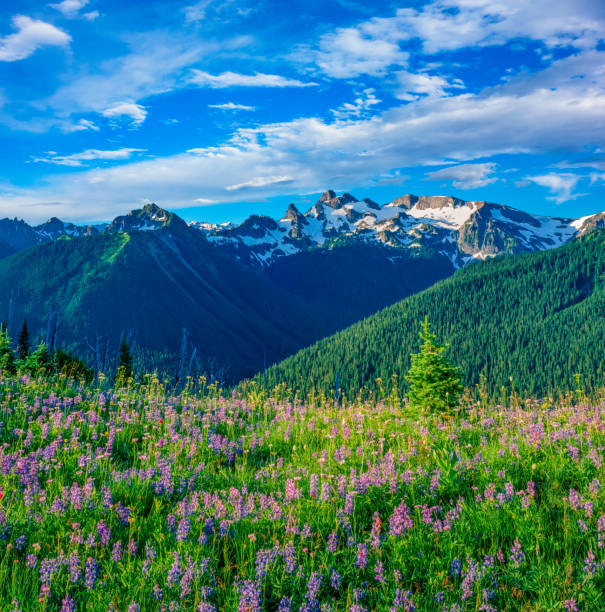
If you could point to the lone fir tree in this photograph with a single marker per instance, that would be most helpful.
(23, 345)
(434, 381)
(124, 360)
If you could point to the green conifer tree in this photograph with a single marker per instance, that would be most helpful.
(23, 344)
(434, 381)
(124, 360)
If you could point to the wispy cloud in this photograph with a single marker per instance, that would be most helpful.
(71, 9)
(466, 176)
(78, 159)
(260, 181)
(312, 153)
(360, 107)
(135, 112)
(414, 85)
(30, 36)
(233, 79)
(155, 64)
(350, 52)
(232, 106)
(560, 185)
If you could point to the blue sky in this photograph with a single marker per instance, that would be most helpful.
(219, 108)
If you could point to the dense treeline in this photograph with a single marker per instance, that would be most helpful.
(528, 323)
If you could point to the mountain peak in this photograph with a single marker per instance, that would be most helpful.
(150, 217)
(326, 196)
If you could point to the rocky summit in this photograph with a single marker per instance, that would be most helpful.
(460, 230)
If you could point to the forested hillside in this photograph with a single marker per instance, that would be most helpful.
(529, 323)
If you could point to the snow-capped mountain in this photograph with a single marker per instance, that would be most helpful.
(458, 229)
(16, 234)
(150, 217)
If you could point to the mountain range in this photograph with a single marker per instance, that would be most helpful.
(249, 294)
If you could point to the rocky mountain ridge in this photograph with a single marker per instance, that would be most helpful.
(446, 226)
(460, 230)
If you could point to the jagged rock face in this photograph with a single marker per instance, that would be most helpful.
(150, 217)
(441, 225)
(591, 223)
(54, 228)
(17, 235)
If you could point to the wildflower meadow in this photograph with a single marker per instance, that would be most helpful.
(133, 498)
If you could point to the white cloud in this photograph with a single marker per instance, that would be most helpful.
(350, 52)
(412, 85)
(560, 185)
(155, 64)
(360, 107)
(260, 181)
(233, 79)
(204, 201)
(372, 46)
(77, 159)
(71, 9)
(135, 112)
(232, 106)
(30, 36)
(314, 154)
(466, 176)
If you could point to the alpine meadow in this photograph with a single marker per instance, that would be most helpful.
(302, 306)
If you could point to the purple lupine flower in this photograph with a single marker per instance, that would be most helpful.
(332, 542)
(292, 491)
(400, 522)
(348, 504)
(313, 588)
(456, 568)
(20, 542)
(90, 573)
(470, 577)
(133, 607)
(68, 604)
(187, 578)
(375, 531)
(174, 572)
(362, 556)
(183, 530)
(601, 531)
(157, 592)
(403, 599)
(116, 552)
(31, 561)
(575, 499)
(289, 557)
(106, 496)
(132, 547)
(335, 579)
(73, 565)
(434, 484)
(325, 491)
(571, 605)
(379, 572)
(250, 596)
(313, 485)
(590, 564)
(285, 605)
(104, 533)
(517, 556)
